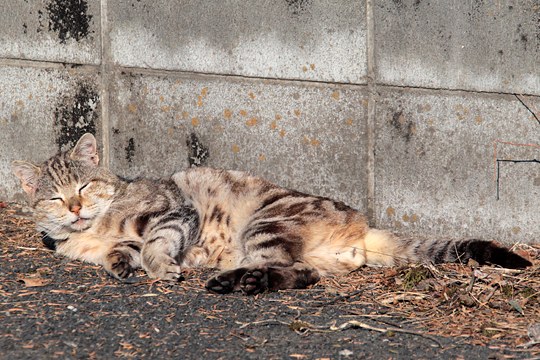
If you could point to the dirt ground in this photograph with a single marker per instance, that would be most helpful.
(54, 308)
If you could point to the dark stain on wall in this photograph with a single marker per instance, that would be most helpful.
(76, 115)
(69, 19)
(398, 3)
(298, 7)
(405, 127)
(537, 29)
(522, 37)
(198, 153)
(130, 150)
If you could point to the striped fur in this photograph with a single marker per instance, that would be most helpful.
(260, 235)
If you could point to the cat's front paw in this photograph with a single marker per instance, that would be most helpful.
(118, 265)
(163, 267)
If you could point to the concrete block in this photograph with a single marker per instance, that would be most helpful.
(472, 45)
(43, 111)
(457, 165)
(307, 137)
(51, 30)
(311, 40)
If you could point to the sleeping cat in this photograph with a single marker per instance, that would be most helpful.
(261, 236)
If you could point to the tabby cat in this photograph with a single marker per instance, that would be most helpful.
(261, 236)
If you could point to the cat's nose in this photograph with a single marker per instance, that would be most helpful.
(75, 206)
(75, 209)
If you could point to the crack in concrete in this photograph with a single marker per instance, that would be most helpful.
(528, 108)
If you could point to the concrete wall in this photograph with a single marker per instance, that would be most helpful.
(421, 114)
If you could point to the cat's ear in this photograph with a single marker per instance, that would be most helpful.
(28, 174)
(86, 150)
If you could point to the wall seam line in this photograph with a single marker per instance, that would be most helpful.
(105, 84)
(372, 97)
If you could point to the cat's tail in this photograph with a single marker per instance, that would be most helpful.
(383, 248)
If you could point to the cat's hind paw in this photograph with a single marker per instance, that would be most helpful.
(220, 285)
(251, 282)
(254, 281)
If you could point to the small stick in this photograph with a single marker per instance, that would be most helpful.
(471, 284)
(339, 298)
(355, 323)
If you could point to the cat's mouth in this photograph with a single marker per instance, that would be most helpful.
(81, 224)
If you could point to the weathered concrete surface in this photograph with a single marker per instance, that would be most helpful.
(51, 30)
(436, 166)
(474, 45)
(310, 138)
(43, 111)
(312, 40)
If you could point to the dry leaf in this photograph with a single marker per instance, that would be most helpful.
(62, 291)
(126, 345)
(516, 306)
(34, 282)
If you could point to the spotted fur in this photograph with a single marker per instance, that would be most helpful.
(261, 236)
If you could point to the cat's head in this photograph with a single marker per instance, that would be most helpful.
(69, 191)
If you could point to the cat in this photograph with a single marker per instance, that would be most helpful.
(261, 236)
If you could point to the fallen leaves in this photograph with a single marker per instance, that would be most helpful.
(480, 302)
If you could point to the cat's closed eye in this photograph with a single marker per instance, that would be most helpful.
(56, 199)
(83, 187)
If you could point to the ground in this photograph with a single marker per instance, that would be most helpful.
(55, 308)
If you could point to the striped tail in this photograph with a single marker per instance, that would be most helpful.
(484, 252)
(383, 248)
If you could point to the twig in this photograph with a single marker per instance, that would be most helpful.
(359, 324)
(489, 296)
(471, 284)
(27, 248)
(262, 322)
(402, 297)
(339, 298)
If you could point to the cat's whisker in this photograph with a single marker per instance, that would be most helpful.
(50, 231)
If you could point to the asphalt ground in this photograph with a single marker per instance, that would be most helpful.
(55, 308)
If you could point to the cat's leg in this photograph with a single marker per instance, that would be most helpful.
(123, 259)
(273, 261)
(166, 239)
(119, 257)
(257, 278)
